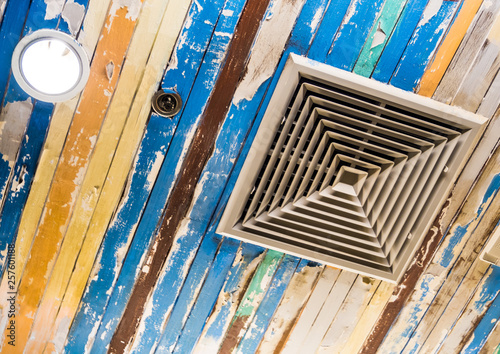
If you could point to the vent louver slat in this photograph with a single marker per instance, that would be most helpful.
(347, 171)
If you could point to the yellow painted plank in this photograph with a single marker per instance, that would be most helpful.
(72, 166)
(435, 72)
(123, 158)
(130, 79)
(60, 122)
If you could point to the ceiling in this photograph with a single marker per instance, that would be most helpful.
(109, 211)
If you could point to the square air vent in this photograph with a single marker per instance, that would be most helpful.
(347, 171)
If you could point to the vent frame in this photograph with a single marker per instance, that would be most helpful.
(296, 69)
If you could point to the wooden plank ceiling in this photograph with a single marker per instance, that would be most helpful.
(109, 211)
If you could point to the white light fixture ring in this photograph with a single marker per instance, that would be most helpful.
(50, 66)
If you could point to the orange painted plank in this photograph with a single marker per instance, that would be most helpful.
(72, 166)
(435, 72)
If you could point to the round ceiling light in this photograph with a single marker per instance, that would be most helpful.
(50, 66)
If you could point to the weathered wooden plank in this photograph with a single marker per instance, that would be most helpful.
(207, 297)
(251, 300)
(349, 314)
(328, 23)
(60, 121)
(311, 310)
(398, 40)
(449, 301)
(72, 167)
(466, 335)
(491, 341)
(458, 302)
(330, 310)
(85, 206)
(448, 48)
(449, 251)
(23, 173)
(273, 296)
(353, 33)
(10, 33)
(490, 101)
(432, 27)
(378, 37)
(182, 71)
(245, 263)
(369, 317)
(479, 78)
(295, 297)
(13, 121)
(200, 150)
(467, 51)
(144, 172)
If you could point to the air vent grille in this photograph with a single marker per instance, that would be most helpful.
(346, 171)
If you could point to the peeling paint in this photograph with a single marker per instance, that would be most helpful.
(268, 48)
(379, 37)
(317, 17)
(73, 14)
(54, 8)
(18, 182)
(110, 69)
(430, 11)
(133, 10)
(13, 121)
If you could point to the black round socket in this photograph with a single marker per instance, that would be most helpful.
(166, 104)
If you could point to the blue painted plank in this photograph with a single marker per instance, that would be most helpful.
(10, 33)
(184, 66)
(330, 23)
(353, 33)
(251, 340)
(422, 46)
(449, 253)
(151, 153)
(489, 292)
(8, 156)
(168, 286)
(24, 172)
(192, 306)
(399, 39)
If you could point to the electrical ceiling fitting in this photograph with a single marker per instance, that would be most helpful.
(347, 171)
(50, 66)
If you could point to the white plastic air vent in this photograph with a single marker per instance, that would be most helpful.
(491, 252)
(347, 171)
